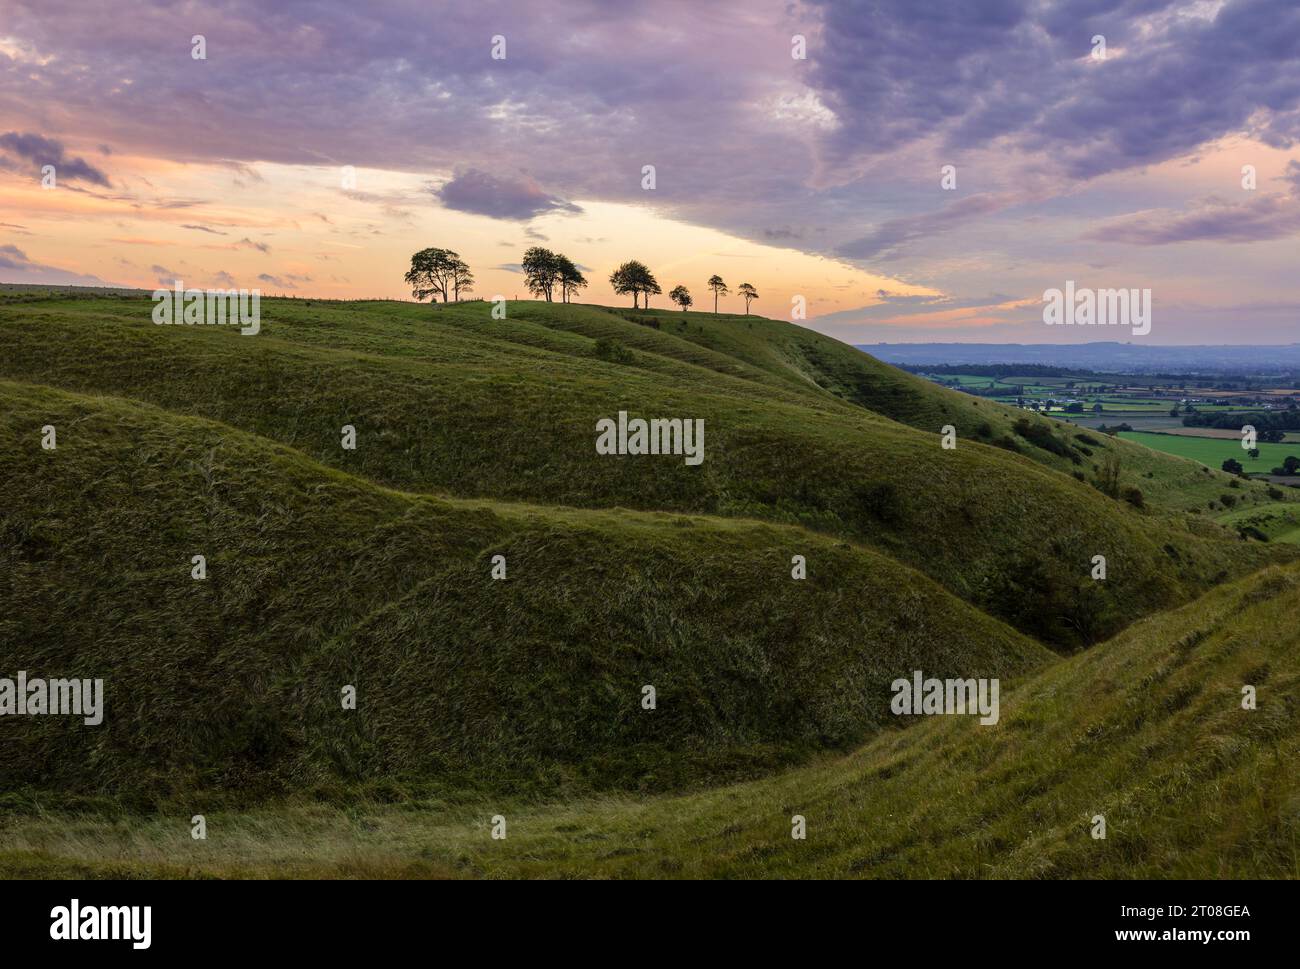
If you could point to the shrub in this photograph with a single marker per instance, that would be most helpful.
(880, 501)
(1134, 497)
(613, 351)
(1041, 436)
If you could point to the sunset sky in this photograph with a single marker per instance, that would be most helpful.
(319, 144)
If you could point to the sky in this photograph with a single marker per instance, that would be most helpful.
(910, 170)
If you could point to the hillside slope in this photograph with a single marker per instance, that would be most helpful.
(317, 580)
(1147, 730)
(372, 568)
(449, 401)
(818, 364)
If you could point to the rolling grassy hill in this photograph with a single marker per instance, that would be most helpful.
(330, 567)
(1146, 730)
(319, 580)
(449, 401)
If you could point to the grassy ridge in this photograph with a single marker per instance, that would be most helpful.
(450, 401)
(317, 579)
(1146, 729)
(523, 696)
(816, 362)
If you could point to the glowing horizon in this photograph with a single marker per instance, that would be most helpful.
(312, 157)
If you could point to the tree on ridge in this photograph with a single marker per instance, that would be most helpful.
(719, 289)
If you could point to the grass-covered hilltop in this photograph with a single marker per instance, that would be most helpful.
(500, 595)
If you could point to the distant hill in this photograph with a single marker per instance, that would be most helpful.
(1102, 356)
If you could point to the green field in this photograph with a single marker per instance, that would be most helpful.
(373, 568)
(1212, 452)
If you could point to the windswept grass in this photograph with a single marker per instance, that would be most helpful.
(1147, 730)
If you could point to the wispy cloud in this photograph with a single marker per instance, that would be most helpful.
(1255, 219)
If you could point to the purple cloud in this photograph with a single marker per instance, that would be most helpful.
(1173, 79)
(837, 155)
(895, 233)
(501, 197)
(11, 257)
(1259, 218)
(21, 269)
(28, 150)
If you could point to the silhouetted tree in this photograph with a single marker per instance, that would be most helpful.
(633, 277)
(1108, 475)
(434, 272)
(681, 296)
(541, 271)
(749, 292)
(649, 287)
(462, 279)
(622, 281)
(719, 289)
(571, 278)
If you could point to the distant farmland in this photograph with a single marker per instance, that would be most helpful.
(1213, 452)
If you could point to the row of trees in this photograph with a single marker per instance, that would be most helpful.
(441, 272)
(633, 277)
